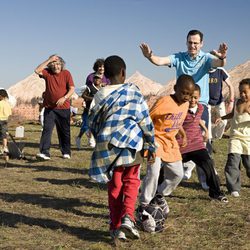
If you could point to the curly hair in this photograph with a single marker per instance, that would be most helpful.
(61, 61)
(98, 63)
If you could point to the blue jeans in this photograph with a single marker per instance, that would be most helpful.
(84, 126)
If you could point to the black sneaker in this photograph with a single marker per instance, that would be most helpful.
(222, 198)
(160, 201)
(139, 215)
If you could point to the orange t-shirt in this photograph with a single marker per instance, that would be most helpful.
(168, 117)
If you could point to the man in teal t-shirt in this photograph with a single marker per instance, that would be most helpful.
(193, 62)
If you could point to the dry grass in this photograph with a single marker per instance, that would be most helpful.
(54, 205)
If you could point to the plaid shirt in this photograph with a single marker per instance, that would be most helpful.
(122, 127)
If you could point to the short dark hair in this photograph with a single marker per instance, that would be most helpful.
(184, 80)
(97, 77)
(197, 88)
(195, 32)
(113, 66)
(245, 81)
(98, 63)
(4, 93)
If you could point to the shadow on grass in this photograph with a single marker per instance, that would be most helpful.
(13, 219)
(245, 186)
(242, 185)
(31, 145)
(74, 182)
(192, 185)
(83, 148)
(45, 201)
(188, 198)
(44, 167)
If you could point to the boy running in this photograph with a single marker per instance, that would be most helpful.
(121, 125)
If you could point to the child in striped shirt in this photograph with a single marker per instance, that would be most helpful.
(195, 149)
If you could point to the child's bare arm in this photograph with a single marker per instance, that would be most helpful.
(150, 156)
(231, 95)
(225, 117)
(87, 98)
(228, 116)
(85, 95)
(203, 126)
(43, 65)
(182, 133)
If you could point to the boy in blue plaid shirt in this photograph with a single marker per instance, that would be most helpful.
(120, 122)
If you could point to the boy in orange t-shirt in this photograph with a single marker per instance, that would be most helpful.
(167, 115)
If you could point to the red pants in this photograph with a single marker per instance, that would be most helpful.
(122, 193)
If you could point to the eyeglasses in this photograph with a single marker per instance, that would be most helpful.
(193, 43)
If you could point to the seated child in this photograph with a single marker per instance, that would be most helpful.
(120, 122)
(239, 141)
(195, 149)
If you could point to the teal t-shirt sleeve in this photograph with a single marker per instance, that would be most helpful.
(209, 60)
(174, 58)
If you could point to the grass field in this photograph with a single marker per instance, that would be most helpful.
(54, 205)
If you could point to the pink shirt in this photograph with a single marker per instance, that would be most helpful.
(193, 131)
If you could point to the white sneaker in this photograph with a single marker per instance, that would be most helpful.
(188, 168)
(91, 142)
(42, 156)
(5, 150)
(66, 156)
(92, 145)
(187, 174)
(128, 228)
(78, 142)
(118, 234)
(235, 194)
